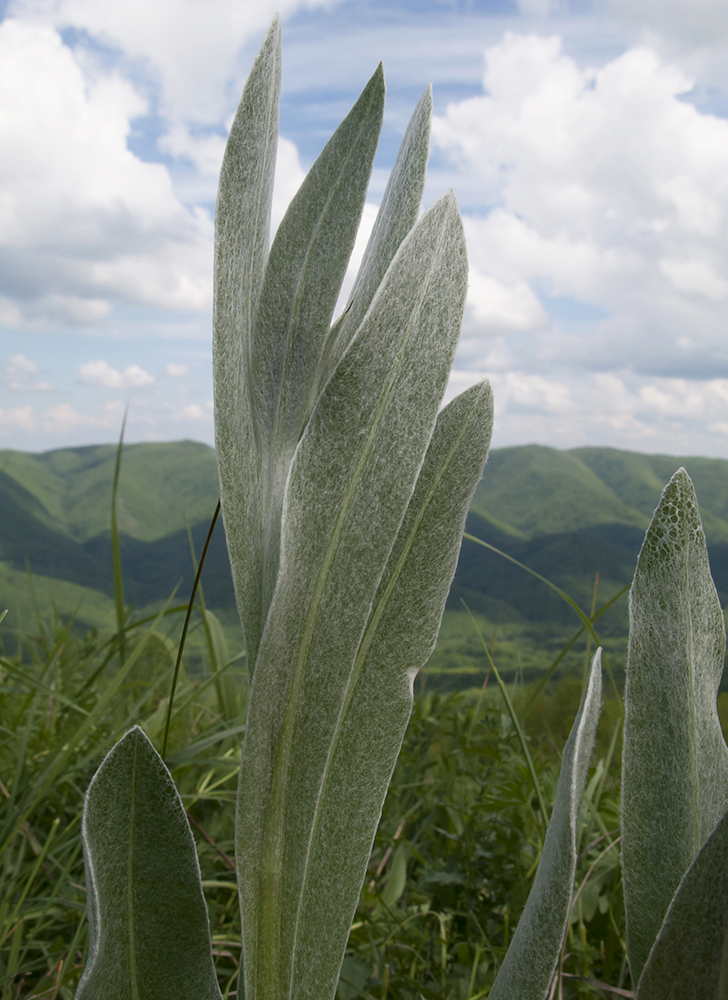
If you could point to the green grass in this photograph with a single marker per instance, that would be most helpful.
(462, 827)
(457, 846)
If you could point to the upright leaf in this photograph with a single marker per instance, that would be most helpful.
(530, 962)
(350, 483)
(675, 760)
(377, 702)
(242, 225)
(302, 280)
(397, 214)
(149, 936)
(690, 956)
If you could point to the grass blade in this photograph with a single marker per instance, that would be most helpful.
(188, 614)
(116, 550)
(675, 760)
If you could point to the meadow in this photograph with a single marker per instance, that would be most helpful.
(456, 849)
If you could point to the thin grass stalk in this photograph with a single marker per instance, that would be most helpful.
(116, 548)
(190, 605)
(516, 724)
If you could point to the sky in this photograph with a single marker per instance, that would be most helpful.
(585, 140)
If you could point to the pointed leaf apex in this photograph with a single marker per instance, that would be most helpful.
(376, 81)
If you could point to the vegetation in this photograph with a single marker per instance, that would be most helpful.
(453, 857)
(55, 521)
(495, 868)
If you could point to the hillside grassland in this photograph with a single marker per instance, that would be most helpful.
(459, 839)
(575, 517)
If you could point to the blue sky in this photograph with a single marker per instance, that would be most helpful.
(586, 142)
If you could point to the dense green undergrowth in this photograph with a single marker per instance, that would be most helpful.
(454, 856)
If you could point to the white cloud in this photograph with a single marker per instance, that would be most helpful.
(18, 375)
(59, 420)
(496, 305)
(695, 277)
(176, 371)
(606, 188)
(539, 8)
(18, 418)
(101, 373)
(185, 52)
(19, 363)
(691, 22)
(193, 411)
(83, 221)
(189, 48)
(618, 409)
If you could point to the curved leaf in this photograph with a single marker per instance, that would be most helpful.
(529, 965)
(242, 226)
(399, 638)
(690, 956)
(303, 276)
(397, 214)
(675, 760)
(350, 484)
(149, 936)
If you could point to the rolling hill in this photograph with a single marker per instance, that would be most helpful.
(567, 514)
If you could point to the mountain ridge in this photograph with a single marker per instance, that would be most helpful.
(567, 514)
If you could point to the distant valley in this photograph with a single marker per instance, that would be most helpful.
(567, 514)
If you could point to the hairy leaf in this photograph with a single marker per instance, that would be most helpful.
(690, 956)
(529, 965)
(350, 484)
(675, 760)
(376, 706)
(302, 280)
(242, 226)
(397, 214)
(149, 937)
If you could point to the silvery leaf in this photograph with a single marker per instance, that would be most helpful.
(675, 760)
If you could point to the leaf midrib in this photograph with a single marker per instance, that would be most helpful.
(277, 440)
(363, 652)
(133, 973)
(270, 873)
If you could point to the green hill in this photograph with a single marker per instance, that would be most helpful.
(569, 515)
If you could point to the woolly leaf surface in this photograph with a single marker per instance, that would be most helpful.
(242, 226)
(149, 936)
(303, 277)
(675, 760)
(376, 705)
(530, 961)
(351, 481)
(690, 956)
(397, 214)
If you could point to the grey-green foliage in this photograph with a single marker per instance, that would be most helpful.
(349, 487)
(301, 284)
(356, 509)
(242, 224)
(675, 760)
(529, 965)
(690, 956)
(377, 703)
(149, 936)
(397, 214)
